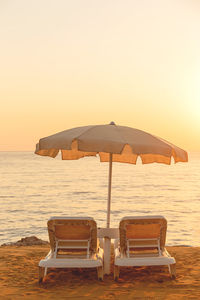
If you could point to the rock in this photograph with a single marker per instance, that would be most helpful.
(27, 241)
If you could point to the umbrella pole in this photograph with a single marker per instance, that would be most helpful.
(109, 190)
(107, 240)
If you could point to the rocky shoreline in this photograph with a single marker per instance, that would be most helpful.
(27, 241)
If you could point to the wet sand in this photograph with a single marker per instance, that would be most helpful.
(19, 278)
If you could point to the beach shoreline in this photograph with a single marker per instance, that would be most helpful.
(19, 278)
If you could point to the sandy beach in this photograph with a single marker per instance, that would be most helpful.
(19, 278)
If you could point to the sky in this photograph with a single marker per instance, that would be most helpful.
(68, 63)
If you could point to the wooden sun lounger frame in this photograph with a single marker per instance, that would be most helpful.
(122, 246)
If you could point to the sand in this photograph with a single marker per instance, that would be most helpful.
(19, 278)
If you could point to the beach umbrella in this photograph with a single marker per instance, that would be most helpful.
(113, 143)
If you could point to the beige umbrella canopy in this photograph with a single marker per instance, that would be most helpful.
(113, 143)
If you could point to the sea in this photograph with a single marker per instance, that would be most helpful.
(34, 188)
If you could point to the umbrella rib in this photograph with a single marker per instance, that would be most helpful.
(92, 127)
(95, 126)
(125, 142)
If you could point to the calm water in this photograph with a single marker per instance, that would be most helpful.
(34, 188)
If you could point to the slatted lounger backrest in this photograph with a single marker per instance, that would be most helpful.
(72, 229)
(153, 227)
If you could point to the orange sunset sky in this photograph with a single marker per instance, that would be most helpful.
(71, 63)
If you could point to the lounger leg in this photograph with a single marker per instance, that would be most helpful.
(172, 270)
(100, 273)
(41, 274)
(116, 273)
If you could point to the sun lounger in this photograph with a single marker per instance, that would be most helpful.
(142, 243)
(74, 244)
